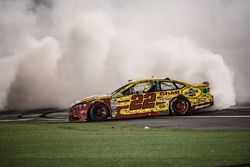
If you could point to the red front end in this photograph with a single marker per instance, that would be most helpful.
(79, 112)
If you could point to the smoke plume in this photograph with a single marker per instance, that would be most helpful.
(55, 52)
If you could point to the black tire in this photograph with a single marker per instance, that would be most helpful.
(179, 106)
(99, 112)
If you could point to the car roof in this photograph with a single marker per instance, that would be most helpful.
(153, 79)
(150, 79)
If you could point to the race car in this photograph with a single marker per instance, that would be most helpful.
(142, 98)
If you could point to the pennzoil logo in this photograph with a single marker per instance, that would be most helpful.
(192, 92)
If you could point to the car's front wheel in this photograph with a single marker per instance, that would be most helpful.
(179, 106)
(99, 112)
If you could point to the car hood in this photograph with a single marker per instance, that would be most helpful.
(91, 98)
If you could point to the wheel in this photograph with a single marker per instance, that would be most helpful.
(179, 106)
(99, 112)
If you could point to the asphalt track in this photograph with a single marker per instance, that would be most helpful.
(234, 118)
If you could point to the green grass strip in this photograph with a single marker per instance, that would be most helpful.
(98, 144)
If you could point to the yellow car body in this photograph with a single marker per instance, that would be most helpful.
(140, 98)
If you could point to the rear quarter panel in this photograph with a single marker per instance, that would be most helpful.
(197, 96)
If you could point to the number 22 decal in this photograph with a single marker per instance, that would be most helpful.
(138, 103)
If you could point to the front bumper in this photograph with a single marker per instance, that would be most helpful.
(77, 116)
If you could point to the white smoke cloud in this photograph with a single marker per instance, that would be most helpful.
(7, 76)
(35, 84)
(175, 58)
(54, 53)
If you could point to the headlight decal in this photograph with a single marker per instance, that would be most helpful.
(79, 106)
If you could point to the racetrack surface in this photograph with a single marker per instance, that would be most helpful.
(234, 118)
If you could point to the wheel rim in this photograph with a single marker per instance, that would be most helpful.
(180, 106)
(101, 112)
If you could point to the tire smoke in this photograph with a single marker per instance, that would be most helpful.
(55, 52)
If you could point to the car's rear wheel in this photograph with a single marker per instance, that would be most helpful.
(179, 106)
(99, 112)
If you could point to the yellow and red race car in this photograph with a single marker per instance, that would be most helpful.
(141, 98)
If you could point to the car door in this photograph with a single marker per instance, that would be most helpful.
(138, 99)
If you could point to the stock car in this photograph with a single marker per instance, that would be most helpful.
(141, 98)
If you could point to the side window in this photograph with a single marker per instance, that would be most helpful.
(140, 88)
(167, 86)
(179, 85)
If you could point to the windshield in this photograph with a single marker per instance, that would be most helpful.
(119, 89)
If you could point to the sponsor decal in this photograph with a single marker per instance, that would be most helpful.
(162, 105)
(192, 92)
(168, 93)
(114, 114)
(202, 106)
(113, 104)
(165, 100)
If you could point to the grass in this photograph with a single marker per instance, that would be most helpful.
(98, 144)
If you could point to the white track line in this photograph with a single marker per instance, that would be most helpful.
(15, 120)
(32, 119)
(221, 116)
